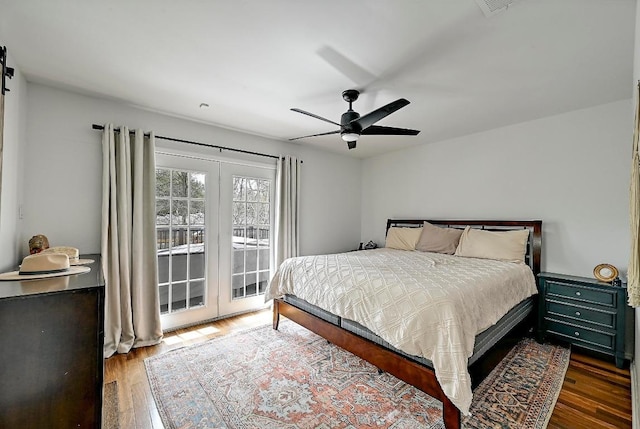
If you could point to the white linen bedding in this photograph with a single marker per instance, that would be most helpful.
(426, 304)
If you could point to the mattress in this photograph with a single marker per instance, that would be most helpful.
(484, 341)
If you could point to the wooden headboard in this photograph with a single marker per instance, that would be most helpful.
(534, 245)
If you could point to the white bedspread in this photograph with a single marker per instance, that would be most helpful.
(425, 304)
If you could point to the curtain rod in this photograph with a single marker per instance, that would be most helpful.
(101, 127)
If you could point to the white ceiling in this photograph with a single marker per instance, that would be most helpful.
(253, 60)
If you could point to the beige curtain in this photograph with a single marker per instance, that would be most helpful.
(129, 262)
(633, 281)
(287, 208)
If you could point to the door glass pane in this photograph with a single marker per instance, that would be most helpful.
(251, 233)
(178, 296)
(252, 189)
(180, 229)
(263, 237)
(238, 189)
(179, 183)
(263, 259)
(238, 262)
(252, 260)
(251, 286)
(163, 267)
(196, 265)
(263, 281)
(263, 214)
(180, 213)
(164, 298)
(196, 293)
(196, 213)
(264, 191)
(252, 213)
(238, 238)
(237, 286)
(162, 211)
(197, 185)
(239, 213)
(163, 183)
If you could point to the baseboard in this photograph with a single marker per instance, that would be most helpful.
(226, 316)
(635, 396)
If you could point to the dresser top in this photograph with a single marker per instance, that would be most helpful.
(92, 279)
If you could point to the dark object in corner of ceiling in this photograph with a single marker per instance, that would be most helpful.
(7, 72)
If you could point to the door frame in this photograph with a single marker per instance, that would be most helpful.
(213, 245)
(210, 309)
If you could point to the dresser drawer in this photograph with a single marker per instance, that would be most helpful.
(582, 314)
(582, 293)
(578, 334)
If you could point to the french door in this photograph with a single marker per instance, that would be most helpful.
(214, 222)
(246, 236)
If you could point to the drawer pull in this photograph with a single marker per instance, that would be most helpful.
(578, 294)
(577, 334)
(577, 313)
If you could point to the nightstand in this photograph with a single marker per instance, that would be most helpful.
(584, 312)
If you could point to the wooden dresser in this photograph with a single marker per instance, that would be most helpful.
(584, 312)
(51, 351)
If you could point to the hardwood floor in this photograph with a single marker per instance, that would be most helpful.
(595, 393)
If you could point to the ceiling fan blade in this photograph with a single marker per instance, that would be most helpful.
(315, 116)
(376, 130)
(316, 135)
(382, 112)
(346, 66)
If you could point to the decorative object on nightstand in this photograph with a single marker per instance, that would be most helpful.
(370, 245)
(584, 312)
(605, 272)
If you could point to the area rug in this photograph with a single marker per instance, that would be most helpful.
(110, 406)
(292, 378)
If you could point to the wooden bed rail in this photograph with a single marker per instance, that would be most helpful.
(397, 365)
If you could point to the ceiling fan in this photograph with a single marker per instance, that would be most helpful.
(352, 125)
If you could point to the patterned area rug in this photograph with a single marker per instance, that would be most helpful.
(110, 408)
(292, 378)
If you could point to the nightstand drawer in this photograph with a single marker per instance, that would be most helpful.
(582, 314)
(578, 334)
(582, 293)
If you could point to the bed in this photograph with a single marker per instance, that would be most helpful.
(401, 311)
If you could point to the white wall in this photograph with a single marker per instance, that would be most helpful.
(65, 166)
(15, 113)
(570, 170)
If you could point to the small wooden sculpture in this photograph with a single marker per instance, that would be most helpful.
(38, 243)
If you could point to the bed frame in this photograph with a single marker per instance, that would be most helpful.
(407, 370)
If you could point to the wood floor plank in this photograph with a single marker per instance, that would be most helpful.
(127, 420)
(598, 390)
(142, 408)
(566, 417)
(595, 394)
(605, 373)
(592, 407)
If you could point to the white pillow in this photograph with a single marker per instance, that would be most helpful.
(502, 245)
(402, 238)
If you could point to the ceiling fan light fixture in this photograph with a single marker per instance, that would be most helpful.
(350, 137)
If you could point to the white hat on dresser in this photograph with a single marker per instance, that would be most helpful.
(44, 265)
